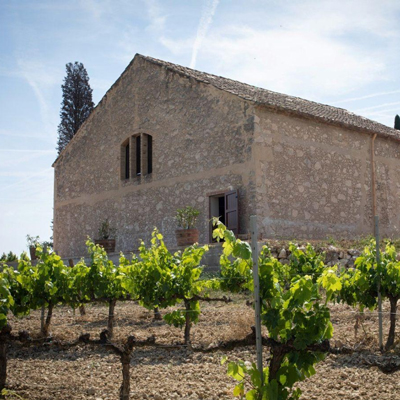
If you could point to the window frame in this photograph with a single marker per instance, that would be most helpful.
(137, 156)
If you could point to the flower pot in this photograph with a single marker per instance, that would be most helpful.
(32, 252)
(107, 244)
(186, 237)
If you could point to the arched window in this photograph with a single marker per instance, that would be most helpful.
(137, 156)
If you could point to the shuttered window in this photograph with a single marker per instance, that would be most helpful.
(127, 163)
(137, 156)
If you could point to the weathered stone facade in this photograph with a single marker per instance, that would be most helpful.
(314, 180)
(302, 176)
(202, 142)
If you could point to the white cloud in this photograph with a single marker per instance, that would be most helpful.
(301, 63)
(156, 16)
(332, 17)
(41, 79)
(208, 12)
(308, 49)
(377, 107)
(368, 96)
(37, 136)
(96, 8)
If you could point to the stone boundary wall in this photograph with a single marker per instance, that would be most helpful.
(333, 255)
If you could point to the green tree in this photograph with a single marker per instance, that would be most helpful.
(76, 105)
(397, 122)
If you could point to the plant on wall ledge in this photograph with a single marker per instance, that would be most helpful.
(106, 236)
(33, 242)
(187, 217)
(187, 234)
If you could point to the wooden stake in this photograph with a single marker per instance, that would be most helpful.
(257, 303)
(378, 262)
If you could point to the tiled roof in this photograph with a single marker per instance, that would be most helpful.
(283, 102)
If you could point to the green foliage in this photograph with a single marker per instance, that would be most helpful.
(19, 290)
(161, 279)
(187, 217)
(106, 231)
(306, 262)
(6, 299)
(397, 122)
(11, 394)
(292, 309)
(10, 257)
(76, 105)
(24, 256)
(32, 241)
(45, 283)
(101, 280)
(243, 372)
(360, 284)
(235, 261)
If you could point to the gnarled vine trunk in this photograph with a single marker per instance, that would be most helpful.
(278, 353)
(110, 324)
(392, 329)
(125, 386)
(46, 325)
(42, 318)
(157, 314)
(4, 333)
(125, 355)
(188, 323)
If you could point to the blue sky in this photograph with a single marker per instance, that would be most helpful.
(343, 53)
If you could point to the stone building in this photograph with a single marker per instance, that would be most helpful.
(165, 136)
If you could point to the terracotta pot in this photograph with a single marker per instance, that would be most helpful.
(32, 252)
(107, 244)
(186, 237)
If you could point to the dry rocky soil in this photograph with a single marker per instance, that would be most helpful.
(47, 372)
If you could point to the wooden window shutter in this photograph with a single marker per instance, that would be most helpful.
(138, 156)
(127, 158)
(232, 211)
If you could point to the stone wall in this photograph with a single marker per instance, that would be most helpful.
(303, 178)
(333, 255)
(202, 143)
(314, 180)
(211, 260)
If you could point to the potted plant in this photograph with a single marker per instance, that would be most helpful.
(33, 242)
(106, 237)
(187, 234)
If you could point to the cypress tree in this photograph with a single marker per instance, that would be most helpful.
(76, 105)
(397, 122)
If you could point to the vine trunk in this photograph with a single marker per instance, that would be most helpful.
(110, 324)
(392, 329)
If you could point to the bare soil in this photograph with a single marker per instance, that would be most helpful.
(46, 372)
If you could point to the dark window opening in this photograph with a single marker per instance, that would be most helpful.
(225, 207)
(221, 207)
(149, 154)
(134, 150)
(217, 209)
(127, 161)
(138, 156)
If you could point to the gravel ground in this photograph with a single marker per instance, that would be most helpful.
(86, 372)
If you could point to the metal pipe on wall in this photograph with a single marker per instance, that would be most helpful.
(373, 178)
